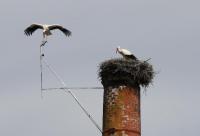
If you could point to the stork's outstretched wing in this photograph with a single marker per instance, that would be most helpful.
(64, 30)
(29, 30)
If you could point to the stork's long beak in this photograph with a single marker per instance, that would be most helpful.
(116, 50)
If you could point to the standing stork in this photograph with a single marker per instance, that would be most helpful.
(126, 54)
(46, 30)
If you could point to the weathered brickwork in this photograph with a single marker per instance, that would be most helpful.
(121, 112)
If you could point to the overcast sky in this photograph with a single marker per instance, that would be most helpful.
(168, 31)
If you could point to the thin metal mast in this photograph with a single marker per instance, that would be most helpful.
(41, 67)
(41, 70)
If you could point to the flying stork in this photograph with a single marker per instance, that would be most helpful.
(46, 29)
(126, 54)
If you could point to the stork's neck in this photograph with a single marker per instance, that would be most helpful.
(121, 53)
(119, 50)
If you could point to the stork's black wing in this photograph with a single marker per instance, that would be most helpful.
(132, 57)
(64, 30)
(29, 30)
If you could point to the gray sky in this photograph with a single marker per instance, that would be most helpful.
(167, 31)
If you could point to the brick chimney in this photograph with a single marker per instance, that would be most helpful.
(121, 105)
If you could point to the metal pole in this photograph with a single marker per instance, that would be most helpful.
(41, 67)
(41, 71)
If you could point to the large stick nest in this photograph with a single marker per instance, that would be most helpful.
(134, 73)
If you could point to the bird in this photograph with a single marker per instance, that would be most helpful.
(125, 53)
(46, 29)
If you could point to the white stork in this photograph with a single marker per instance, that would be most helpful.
(46, 30)
(126, 54)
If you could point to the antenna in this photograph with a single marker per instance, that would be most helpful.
(42, 59)
(41, 67)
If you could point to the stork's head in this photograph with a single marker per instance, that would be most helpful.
(118, 49)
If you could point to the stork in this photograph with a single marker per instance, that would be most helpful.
(46, 30)
(126, 54)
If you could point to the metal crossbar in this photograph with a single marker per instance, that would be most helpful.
(42, 59)
(73, 88)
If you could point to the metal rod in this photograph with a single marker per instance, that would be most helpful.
(41, 67)
(73, 88)
(147, 60)
(69, 91)
(143, 61)
(41, 71)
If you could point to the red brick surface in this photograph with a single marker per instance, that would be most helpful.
(121, 112)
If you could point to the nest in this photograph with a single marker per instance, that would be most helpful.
(134, 73)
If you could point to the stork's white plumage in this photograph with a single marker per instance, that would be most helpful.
(125, 53)
(46, 29)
